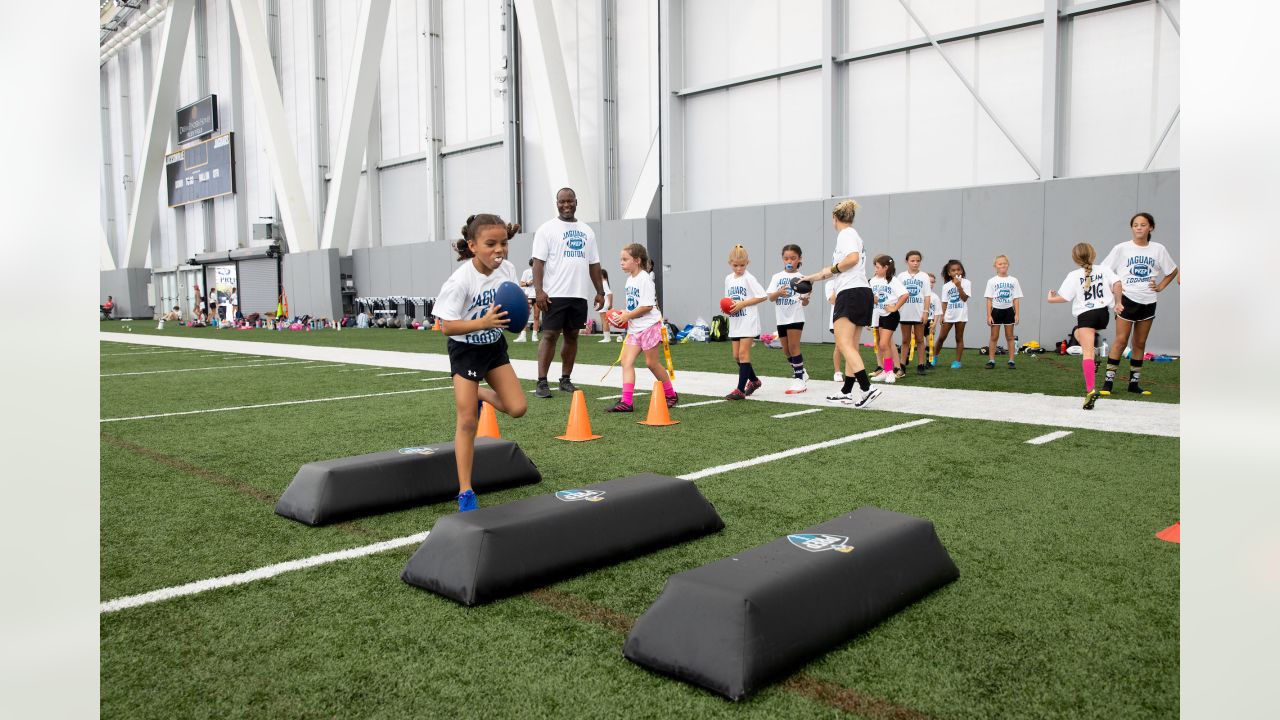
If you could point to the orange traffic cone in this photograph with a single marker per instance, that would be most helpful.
(437, 325)
(579, 427)
(1172, 534)
(488, 423)
(658, 412)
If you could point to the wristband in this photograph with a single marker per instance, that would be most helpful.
(835, 268)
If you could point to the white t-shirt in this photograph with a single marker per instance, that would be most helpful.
(745, 322)
(957, 309)
(467, 295)
(569, 250)
(787, 307)
(849, 241)
(527, 277)
(918, 288)
(935, 306)
(1003, 291)
(1096, 293)
(887, 292)
(608, 291)
(640, 292)
(1137, 267)
(831, 305)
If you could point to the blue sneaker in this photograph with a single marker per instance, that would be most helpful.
(467, 501)
(955, 364)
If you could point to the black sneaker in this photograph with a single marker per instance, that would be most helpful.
(1106, 388)
(621, 407)
(673, 399)
(1090, 399)
(567, 386)
(991, 365)
(1012, 366)
(542, 391)
(1136, 389)
(919, 369)
(752, 386)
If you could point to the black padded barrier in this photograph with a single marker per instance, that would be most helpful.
(493, 552)
(333, 490)
(737, 624)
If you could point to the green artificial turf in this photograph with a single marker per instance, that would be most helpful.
(1045, 373)
(1067, 606)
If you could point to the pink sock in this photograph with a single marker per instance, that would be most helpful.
(1089, 368)
(888, 365)
(668, 389)
(628, 392)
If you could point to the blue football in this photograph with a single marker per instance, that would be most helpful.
(515, 304)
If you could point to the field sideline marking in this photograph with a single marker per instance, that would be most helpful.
(200, 586)
(249, 576)
(266, 405)
(148, 352)
(704, 402)
(798, 412)
(402, 372)
(1049, 438)
(216, 367)
(803, 449)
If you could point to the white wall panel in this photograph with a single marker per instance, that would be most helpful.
(298, 93)
(405, 215)
(707, 148)
(940, 118)
(473, 48)
(753, 143)
(877, 134)
(402, 84)
(728, 38)
(872, 23)
(637, 64)
(995, 10)
(1009, 78)
(799, 31)
(799, 137)
(220, 32)
(1123, 88)
(470, 188)
(941, 16)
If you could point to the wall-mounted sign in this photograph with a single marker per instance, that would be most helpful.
(204, 170)
(198, 119)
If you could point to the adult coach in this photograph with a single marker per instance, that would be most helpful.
(566, 267)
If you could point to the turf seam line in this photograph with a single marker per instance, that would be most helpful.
(796, 413)
(214, 367)
(1050, 437)
(717, 470)
(266, 405)
(186, 467)
(262, 573)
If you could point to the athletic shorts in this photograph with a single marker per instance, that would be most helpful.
(890, 322)
(1136, 311)
(646, 339)
(473, 362)
(855, 305)
(567, 314)
(910, 323)
(1002, 316)
(1097, 318)
(782, 329)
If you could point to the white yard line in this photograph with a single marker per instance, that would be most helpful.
(1056, 434)
(149, 352)
(619, 397)
(402, 372)
(216, 367)
(269, 571)
(704, 402)
(794, 414)
(260, 574)
(267, 405)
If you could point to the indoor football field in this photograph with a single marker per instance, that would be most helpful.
(213, 606)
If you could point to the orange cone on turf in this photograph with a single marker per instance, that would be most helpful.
(488, 423)
(437, 325)
(1172, 534)
(658, 412)
(579, 427)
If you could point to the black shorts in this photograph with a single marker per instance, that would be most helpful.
(782, 329)
(855, 305)
(1136, 311)
(1097, 319)
(473, 362)
(890, 322)
(1002, 316)
(567, 314)
(910, 323)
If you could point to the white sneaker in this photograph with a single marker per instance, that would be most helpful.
(622, 338)
(839, 377)
(877, 378)
(798, 386)
(840, 398)
(889, 378)
(520, 338)
(805, 375)
(606, 339)
(867, 397)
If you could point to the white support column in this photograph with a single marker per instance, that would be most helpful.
(435, 131)
(671, 107)
(1050, 89)
(106, 259)
(608, 161)
(511, 132)
(251, 27)
(834, 108)
(372, 178)
(353, 133)
(550, 90)
(159, 119)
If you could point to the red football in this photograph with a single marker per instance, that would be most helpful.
(612, 316)
(725, 304)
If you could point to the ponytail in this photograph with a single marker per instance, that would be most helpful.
(471, 228)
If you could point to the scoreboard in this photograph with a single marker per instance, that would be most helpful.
(201, 171)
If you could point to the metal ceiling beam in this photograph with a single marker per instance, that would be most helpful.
(353, 133)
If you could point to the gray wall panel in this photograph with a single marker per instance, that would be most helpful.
(399, 260)
(128, 287)
(930, 222)
(1158, 195)
(311, 282)
(736, 226)
(1001, 220)
(403, 191)
(688, 277)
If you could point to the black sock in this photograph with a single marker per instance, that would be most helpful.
(848, 385)
(864, 382)
(751, 372)
(797, 365)
(542, 378)
(742, 376)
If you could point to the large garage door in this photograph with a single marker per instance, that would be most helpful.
(258, 285)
